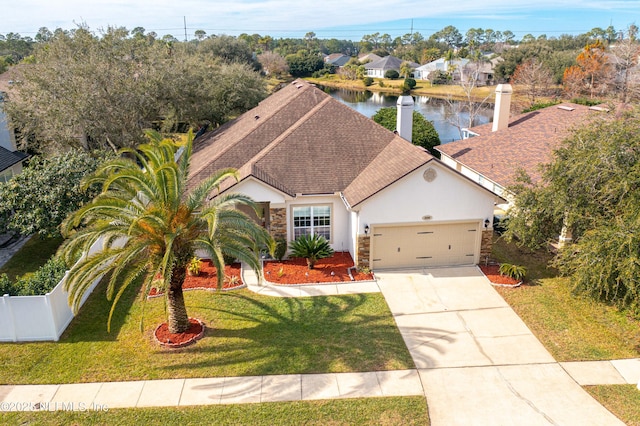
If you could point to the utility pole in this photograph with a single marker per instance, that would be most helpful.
(185, 28)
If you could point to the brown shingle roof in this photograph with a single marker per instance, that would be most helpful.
(302, 141)
(527, 143)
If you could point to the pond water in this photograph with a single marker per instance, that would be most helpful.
(438, 111)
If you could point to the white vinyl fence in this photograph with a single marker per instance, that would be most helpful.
(31, 318)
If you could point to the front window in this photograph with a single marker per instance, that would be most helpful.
(311, 220)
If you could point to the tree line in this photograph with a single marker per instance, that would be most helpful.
(101, 91)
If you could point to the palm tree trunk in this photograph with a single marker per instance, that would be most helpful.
(177, 311)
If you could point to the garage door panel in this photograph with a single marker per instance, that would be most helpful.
(424, 245)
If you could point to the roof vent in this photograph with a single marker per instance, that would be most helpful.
(299, 86)
(599, 108)
(565, 108)
(257, 117)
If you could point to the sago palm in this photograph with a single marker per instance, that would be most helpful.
(150, 227)
(311, 247)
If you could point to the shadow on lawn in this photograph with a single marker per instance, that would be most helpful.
(90, 325)
(298, 335)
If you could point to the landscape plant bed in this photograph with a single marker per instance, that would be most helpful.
(179, 340)
(207, 279)
(294, 271)
(492, 272)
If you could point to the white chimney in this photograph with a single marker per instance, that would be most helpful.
(404, 120)
(502, 107)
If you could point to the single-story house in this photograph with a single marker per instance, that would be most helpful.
(459, 69)
(378, 68)
(10, 158)
(337, 59)
(368, 57)
(425, 71)
(317, 166)
(491, 154)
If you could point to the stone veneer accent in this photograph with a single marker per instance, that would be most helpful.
(278, 225)
(486, 244)
(363, 251)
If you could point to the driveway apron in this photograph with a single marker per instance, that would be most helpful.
(478, 362)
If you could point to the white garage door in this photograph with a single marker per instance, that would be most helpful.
(425, 245)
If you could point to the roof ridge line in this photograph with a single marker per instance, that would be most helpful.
(270, 114)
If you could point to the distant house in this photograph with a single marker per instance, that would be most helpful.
(459, 69)
(337, 59)
(367, 190)
(378, 68)
(369, 57)
(491, 154)
(10, 158)
(425, 72)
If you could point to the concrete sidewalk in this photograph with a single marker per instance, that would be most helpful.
(207, 391)
(477, 363)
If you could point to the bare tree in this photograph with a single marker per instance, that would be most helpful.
(466, 111)
(534, 78)
(626, 52)
(273, 64)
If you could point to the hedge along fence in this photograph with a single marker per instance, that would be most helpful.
(37, 318)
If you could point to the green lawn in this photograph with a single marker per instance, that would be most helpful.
(247, 334)
(622, 400)
(371, 411)
(572, 328)
(33, 254)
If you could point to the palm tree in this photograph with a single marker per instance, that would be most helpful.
(150, 226)
(406, 69)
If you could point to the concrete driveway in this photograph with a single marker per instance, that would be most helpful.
(478, 362)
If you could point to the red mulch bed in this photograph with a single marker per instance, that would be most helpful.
(492, 272)
(295, 270)
(179, 340)
(207, 280)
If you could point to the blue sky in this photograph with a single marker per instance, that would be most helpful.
(342, 19)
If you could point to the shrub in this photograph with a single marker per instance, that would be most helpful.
(368, 81)
(43, 280)
(228, 259)
(7, 287)
(517, 272)
(586, 101)
(391, 74)
(540, 105)
(439, 77)
(194, 266)
(312, 248)
(381, 84)
(409, 84)
(281, 248)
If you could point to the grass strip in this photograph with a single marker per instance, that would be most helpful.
(369, 411)
(621, 400)
(571, 327)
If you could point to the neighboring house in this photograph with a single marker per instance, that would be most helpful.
(459, 69)
(378, 68)
(10, 158)
(337, 59)
(492, 154)
(424, 72)
(315, 165)
(368, 57)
